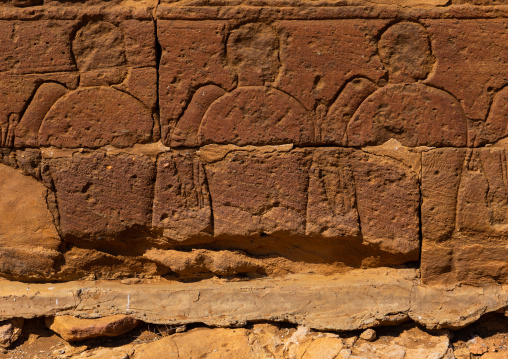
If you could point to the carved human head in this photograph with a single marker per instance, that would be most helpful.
(406, 51)
(98, 49)
(253, 52)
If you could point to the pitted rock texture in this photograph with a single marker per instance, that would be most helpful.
(248, 140)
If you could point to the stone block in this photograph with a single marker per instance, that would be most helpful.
(182, 205)
(29, 241)
(465, 225)
(74, 84)
(74, 329)
(256, 84)
(388, 199)
(101, 195)
(332, 209)
(259, 192)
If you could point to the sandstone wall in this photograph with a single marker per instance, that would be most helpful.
(245, 139)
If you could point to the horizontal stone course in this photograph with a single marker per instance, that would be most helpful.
(330, 135)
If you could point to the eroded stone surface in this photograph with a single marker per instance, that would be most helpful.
(182, 206)
(414, 114)
(414, 92)
(109, 104)
(388, 203)
(188, 45)
(254, 192)
(29, 240)
(465, 194)
(332, 209)
(466, 56)
(101, 195)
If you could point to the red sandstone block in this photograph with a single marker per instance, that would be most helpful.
(470, 60)
(77, 84)
(255, 192)
(182, 205)
(192, 57)
(387, 190)
(102, 195)
(300, 82)
(36, 46)
(464, 212)
(256, 84)
(332, 210)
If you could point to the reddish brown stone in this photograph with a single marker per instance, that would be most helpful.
(23, 3)
(45, 97)
(251, 51)
(95, 117)
(406, 110)
(256, 192)
(331, 209)
(256, 116)
(333, 124)
(470, 63)
(413, 114)
(255, 113)
(82, 264)
(36, 46)
(182, 200)
(405, 49)
(192, 57)
(139, 40)
(441, 175)
(319, 57)
(72, 329)
(186, 130)
(116, 96)
(142, 84)
(16, 92)
(437, 262)
(483, 193)
(464, 238)
(102, 195)
(496, 126)
(388, 201)
(480, 262)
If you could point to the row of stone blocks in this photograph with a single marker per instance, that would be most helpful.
(351, 82)
(378, 200)
(365, 135)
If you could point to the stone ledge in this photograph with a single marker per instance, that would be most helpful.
(358, 299)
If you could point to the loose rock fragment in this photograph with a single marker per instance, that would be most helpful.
(369, 335)
(10, 330)
(73, 329)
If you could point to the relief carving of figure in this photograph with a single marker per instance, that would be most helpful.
(496, 126)
(406, 109)
(95, 114)
(255, 112)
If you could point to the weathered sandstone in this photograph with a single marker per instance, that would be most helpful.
(334, 165)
